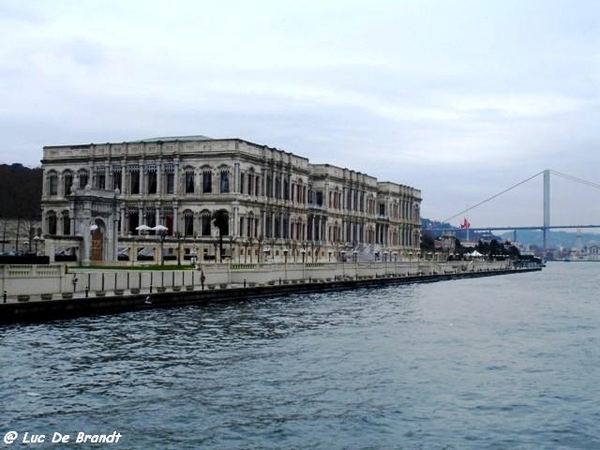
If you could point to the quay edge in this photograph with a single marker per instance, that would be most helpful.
(46, 310)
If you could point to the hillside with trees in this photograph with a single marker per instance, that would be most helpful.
(20, 192)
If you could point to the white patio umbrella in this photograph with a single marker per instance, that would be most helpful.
(143, 227)
(159, 228)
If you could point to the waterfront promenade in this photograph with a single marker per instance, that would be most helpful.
(62, 280)
(39, 294)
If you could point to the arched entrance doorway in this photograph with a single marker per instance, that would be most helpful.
(97, 253)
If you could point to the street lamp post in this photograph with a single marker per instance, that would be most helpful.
(385, 258)
(231, 242)
(303, 252)
(259, 240)
(161, 232)
(285, 256)
(246, 244)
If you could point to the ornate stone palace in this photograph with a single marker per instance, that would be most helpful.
(99, 198)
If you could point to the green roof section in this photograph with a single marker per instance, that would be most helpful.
(176, 138)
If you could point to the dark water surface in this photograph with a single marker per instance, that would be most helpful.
(508, 362)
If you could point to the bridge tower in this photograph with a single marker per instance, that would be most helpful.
(546, 208)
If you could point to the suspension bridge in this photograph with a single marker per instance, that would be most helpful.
(546, 225)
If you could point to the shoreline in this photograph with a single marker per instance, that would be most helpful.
(38, 311)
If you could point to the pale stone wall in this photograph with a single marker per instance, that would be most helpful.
(58, 278)
(270, 195)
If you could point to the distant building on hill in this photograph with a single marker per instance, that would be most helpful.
(97, 199)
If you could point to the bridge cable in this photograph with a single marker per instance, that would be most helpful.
(494, 196)
(577, 180)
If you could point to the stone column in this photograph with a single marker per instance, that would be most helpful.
(236, 179)
(272, 224)
(141, 218)
(122, 175)
(59, 223)
(143, 190)
(176, 176)
(159, 171)
(71, 219)
(106, 174)
(122, 216)
(175, 217)
(158, 210)
(235, 229)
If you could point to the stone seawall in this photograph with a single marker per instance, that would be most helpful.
(55, 280)
(64, 308)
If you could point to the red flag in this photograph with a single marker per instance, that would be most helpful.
(465, 225)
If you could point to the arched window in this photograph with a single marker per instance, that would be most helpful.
(83, 178)
(51, 222)
(133, 219)
(116, 171)
(206, 180)
(188, 223)
(68, 182)
(66, 223)
(190, 180)
(134, 179)
(150, 218)
(52, 183)
(286, 187)
(206, 222)
(99, 180)
(251, 179)
(224, 182)
(250, 225)
(169, 178)
(151, 178)
(277, 186)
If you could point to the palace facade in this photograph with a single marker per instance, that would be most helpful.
(98, 199)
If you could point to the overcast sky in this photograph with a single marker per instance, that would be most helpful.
(461, 99)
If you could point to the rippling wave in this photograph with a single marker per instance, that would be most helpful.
(488, 363)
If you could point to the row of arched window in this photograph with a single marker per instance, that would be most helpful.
(58, 221)
(68, 177)
(132, 181)
(249, 226)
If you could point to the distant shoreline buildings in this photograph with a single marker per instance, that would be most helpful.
(97, 197)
